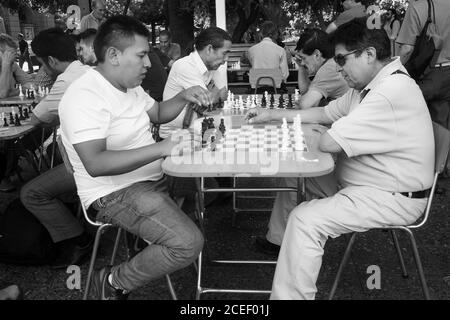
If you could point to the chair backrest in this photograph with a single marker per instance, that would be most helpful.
(441, 151)
(265, 77)
(69, 168)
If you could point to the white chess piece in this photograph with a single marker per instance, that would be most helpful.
(20, 91)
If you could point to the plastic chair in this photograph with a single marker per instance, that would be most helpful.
(265, 77)
(442, 146)
(131, 243)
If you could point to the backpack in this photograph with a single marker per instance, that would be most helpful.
(424, 49)
(23, 239)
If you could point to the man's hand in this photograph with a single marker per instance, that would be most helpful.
(258, 115)
(180, 143)
(198, 95)
(8, 57)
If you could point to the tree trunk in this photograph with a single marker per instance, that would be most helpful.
(181, 25)
(244, 21)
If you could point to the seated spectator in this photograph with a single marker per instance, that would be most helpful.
(314, 54)
(169, 48)
(105, 127)
(155, 78)
(352, 9)
(43, 195)
(87, 54)
(267, 54)
(10, 72)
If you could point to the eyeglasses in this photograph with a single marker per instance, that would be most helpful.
(341, 59)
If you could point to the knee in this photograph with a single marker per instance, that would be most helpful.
(191, 246)
(306, 218)
(29, 194)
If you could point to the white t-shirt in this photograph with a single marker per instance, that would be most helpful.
(387, 138)
(93, 109)
(185, 73)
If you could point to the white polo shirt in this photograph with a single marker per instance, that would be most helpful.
(185, 73)
(388, 138)
(91, 109)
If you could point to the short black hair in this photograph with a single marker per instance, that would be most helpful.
(118, 31)
(315, 39)
(54, 42)
(355, 35)
(166, 33)
(269, 29)
(211, 36)
(87, 34)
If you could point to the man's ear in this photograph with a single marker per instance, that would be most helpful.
(52, 61)
(113, 56)
(317, 53)
(371, 54)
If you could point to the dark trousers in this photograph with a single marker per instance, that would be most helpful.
(435, 86)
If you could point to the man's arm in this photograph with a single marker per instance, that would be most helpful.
(284, 66)
(310, 99)
(331, 28)
(168, 110)
(328, 144)
(303, 80)
(312, 115)
(99, 161)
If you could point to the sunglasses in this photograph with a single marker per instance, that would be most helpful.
(341, 59)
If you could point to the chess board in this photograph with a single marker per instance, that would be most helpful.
(254, 139)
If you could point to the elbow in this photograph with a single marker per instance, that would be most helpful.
(94, 170)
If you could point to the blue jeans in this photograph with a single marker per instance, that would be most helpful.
(146, 210)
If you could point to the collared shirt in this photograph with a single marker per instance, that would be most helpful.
(47, 110)
(185, 73)
(357, 11)
(385, 137)
(268, 55)
(329, 82)
(90, 22)
(415, 19)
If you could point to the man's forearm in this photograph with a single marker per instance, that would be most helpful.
(303, 80)
(312, 115)
(170, 109)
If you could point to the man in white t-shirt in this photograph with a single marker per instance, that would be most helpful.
(384, 169)
(105, 128)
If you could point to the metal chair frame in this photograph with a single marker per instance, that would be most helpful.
(442, 143)
(101, 228)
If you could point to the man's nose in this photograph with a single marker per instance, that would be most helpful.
(147, 62)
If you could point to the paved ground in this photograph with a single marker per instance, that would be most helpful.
(226, 241)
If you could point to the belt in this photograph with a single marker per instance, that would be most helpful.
(415, 194)
(443, 64)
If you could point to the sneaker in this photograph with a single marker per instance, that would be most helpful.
(101, 289)
(264, 246)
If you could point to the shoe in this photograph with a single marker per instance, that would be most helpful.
(12, 292)
(101, 289)
(77, 256)
(264, 246)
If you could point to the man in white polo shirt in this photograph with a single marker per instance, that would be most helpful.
(384, 169)
(212, 46)
(105, 128)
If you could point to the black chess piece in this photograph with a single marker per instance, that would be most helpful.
(213, 143)
(289, 105)
(17, 121)
(281, 101)
(5, 122)
(220, 103)
(11, 118)
(272, 98)
(263, 102)
(25, 113)
(21, 116)
(211, 123)
(32, 94)
(204, 128)
(271, 104)
(222, 127)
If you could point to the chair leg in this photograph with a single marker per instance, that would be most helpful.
(419, 265)
(93, 257)
(116, 246)
(171, 288)
(342, 265)
(399, 253)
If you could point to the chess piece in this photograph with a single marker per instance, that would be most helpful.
(32, 94)
(20, 92)
(263, 102)
(281, 101)
(17, 121)
(272, 99)
(289, 105)
(211, 123)
(222, 127)
(213, 143)
(11, 118)
(21, 116)
(5, 122)
(25, 113)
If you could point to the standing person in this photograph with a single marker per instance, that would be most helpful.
(267, 54)
(384, 169)
(352, 9)
(95, 18)
(43, 195)
(169, 48)
(24, 53)
(435, 84)
(314, 54)
(105, 128)
(392, 26)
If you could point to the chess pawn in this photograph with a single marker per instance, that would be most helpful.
(11, 118)
(20, 91)
(5, 121)
(16, 120)
(25, 113)
(21, 117)
(263, 102)
(281, 102)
